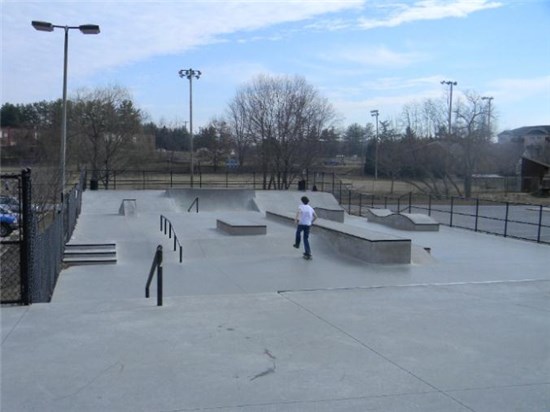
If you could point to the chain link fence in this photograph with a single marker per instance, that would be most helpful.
(32, 255)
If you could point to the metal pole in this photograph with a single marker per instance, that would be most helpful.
(374, 113)
(64, 120)
(488, 98)
(190, 73)
(450, 84)
(190, 77)
(159, 278)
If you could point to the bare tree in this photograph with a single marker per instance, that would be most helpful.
(284, 117)
(106, 131)
(472, 140)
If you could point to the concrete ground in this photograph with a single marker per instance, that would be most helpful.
(248, 325)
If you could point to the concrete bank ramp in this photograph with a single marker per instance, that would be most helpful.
(210, 200)
(403, 221)
(288, 200)
(128, 207)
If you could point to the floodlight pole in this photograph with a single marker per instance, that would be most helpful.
(189, 74)
(85, 29)
(488, 98)
(450, 84)
(374, 113)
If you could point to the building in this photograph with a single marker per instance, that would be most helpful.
(534, 165)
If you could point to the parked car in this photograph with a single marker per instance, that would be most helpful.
(231, 163)
(8, 222)
(10, 203)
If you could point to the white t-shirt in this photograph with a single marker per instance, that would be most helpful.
(306, 214)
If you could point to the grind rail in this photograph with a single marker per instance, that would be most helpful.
(156, 266)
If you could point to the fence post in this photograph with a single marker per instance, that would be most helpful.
(114, 179)
(429, 205)
(506, 219)
(452, 207)
(410, 202)
(349, 202)
(360, 204)
(477, 214)
(540, 223)
(26, 251)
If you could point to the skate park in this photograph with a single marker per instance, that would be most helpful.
(449, 320)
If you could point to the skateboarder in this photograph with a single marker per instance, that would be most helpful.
(305, 216)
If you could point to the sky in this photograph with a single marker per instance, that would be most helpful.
(361, 55)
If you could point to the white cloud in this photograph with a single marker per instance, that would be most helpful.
(517, 89)
(376, 57)
(426, 10)
(130, 32)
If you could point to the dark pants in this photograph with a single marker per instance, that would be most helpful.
(299, 230)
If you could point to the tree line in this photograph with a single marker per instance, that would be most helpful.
(280, 125)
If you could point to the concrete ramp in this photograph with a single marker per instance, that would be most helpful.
(128, 207)
(288, 201)
(211, 200)
(403, 221)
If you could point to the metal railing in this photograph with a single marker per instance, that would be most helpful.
(196, 204)
(510, 219)
(517, 220)
(166, 225)
(156, 266)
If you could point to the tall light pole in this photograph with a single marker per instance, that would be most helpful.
(189, 74)
(374, 113)
(85, 29)
(488, 98)
(450, 84)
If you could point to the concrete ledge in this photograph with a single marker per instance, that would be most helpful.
(240, 227)
(330, 214)
(403, 221)
(372, 247)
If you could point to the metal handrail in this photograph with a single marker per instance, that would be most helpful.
(196, 203)
(156, 266)
(163, 221)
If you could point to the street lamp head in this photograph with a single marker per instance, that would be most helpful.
(374, 112)
(42, 25)
(189, 73)
(47, 26)
(487, 98)
(89, 28)
(448, 82)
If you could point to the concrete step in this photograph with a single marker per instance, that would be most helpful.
(90, 254)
